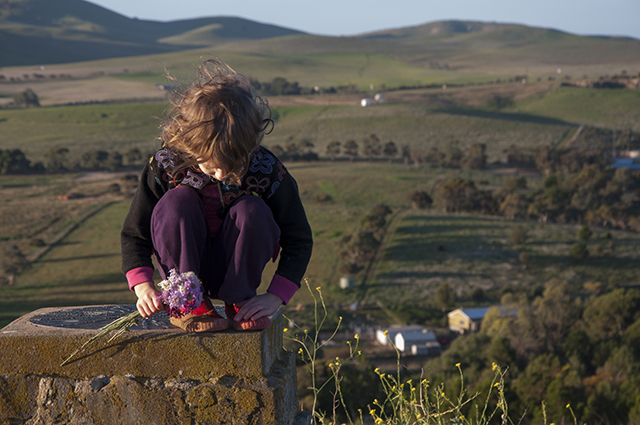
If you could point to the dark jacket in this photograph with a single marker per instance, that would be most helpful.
(267, 178)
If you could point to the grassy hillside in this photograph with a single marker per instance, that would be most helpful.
(420, 118)
(602, 108)
(469, 252)
(36, 32)
(476, 253)
(105, 127)
(121, 127)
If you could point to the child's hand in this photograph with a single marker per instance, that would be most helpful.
(148, 303)
(258, 306)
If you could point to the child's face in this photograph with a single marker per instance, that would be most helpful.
(211, 168)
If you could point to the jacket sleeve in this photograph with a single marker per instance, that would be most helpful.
(135, 238)
(295, 233)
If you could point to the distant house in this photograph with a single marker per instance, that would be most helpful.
(465, 320)
(412, 339)
(417, 342)
(392, 331)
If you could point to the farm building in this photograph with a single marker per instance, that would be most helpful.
(411, 339)
(417, 341)
(392, 331)
(465, 320)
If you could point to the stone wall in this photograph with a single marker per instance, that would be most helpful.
(159, 375)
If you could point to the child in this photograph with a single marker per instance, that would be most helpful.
(215, 202)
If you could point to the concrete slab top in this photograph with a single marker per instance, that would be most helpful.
(39, 342)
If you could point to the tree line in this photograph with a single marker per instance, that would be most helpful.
(597, 195)
(281, 86)
(59, 159)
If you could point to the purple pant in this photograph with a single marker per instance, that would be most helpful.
(229, 265)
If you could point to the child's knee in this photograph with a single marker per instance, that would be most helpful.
(252, 212)
(178, 204)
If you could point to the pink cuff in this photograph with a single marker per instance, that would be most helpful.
(282, 287)
(139, 275)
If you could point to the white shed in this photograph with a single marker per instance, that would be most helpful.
(418, 337)
(392, 331)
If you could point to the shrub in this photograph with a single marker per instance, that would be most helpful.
(518, 235)
(579, 251)
(419, 200)
(585, 233)
(37, 242)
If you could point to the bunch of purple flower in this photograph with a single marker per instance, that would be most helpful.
(181, 293)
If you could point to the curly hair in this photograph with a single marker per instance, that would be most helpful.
(218, 118)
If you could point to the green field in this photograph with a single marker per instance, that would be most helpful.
(81, 128)
(609, 108)
(541, 119)
(84, 269)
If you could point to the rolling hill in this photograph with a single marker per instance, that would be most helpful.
(45, 32)
(36, 32)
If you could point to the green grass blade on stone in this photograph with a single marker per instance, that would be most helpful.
(120, 325)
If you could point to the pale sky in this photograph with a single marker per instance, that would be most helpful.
(351, 17)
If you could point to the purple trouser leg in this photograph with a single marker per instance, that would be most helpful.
(230, 265)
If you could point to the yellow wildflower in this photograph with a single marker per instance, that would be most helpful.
(285, 329)
(494, 366)
(318, 289)
(372, 412)
(568, 405)
(356, 336)
(386, 333)
(457, 364)
(376, 370)
(418, 416)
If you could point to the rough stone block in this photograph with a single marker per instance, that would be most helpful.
(147, 376)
